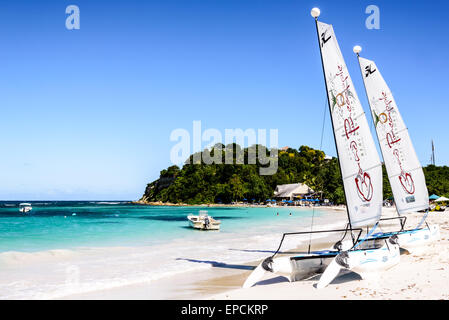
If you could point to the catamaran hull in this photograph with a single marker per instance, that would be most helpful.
(293, 268)
(302, 267)
(367, 263)
(370, 262)
(416, 241)
(299, 267)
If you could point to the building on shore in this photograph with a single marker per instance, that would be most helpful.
(292, 191)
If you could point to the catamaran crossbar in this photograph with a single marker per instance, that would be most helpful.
(322, 231)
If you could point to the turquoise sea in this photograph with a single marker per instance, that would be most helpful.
(69, 224)
(104, 245)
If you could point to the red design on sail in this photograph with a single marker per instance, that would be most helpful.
(407, 183)
(364, 186)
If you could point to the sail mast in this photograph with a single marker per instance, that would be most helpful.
(316, 14)
(433, 154)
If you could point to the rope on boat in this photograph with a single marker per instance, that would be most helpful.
(367, 236)
(424, 218)
(321, 147)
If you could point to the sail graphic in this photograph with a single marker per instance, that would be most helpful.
(404, 170)
(359, 161)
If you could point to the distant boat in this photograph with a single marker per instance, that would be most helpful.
(203, 221)
(25, 207)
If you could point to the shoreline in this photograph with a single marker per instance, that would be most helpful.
(238, 205)
(421, 276)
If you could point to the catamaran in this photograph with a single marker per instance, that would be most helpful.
(404, 170)
(361, 172)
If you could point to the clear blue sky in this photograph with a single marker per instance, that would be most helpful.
(87, 114)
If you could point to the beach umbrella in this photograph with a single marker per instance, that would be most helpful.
(433, 197)
(441, 199)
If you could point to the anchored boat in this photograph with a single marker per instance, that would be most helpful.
(203, 221)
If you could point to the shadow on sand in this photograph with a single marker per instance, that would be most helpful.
(217, 264)
(268, 251)
(342, 277)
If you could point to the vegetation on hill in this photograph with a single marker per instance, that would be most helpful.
(202, 183)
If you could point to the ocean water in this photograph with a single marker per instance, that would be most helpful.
(63, 248)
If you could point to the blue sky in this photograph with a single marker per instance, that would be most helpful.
(87, 114)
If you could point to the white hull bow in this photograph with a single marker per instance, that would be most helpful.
(365, 262)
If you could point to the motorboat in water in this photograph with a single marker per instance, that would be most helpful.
(203, 221)
(25, 207)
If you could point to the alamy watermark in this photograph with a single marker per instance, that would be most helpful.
(233, 154)
(373, 20)
(72, 22)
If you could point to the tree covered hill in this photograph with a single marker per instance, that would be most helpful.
(200, 183)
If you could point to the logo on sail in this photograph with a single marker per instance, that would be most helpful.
(369, 70)
(323, 38)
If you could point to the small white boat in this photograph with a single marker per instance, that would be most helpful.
(25, 207)
(203, 221)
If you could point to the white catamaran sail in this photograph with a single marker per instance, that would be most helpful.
(404, 170)
(359, 161)
(403, 167)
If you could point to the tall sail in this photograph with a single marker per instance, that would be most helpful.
(359, 161)
(404, 170)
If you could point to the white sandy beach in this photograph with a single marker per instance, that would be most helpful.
(424, 276)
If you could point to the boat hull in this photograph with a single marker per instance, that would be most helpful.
(199, 224)
(414, 241)
(368, 263)
(363, 261)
